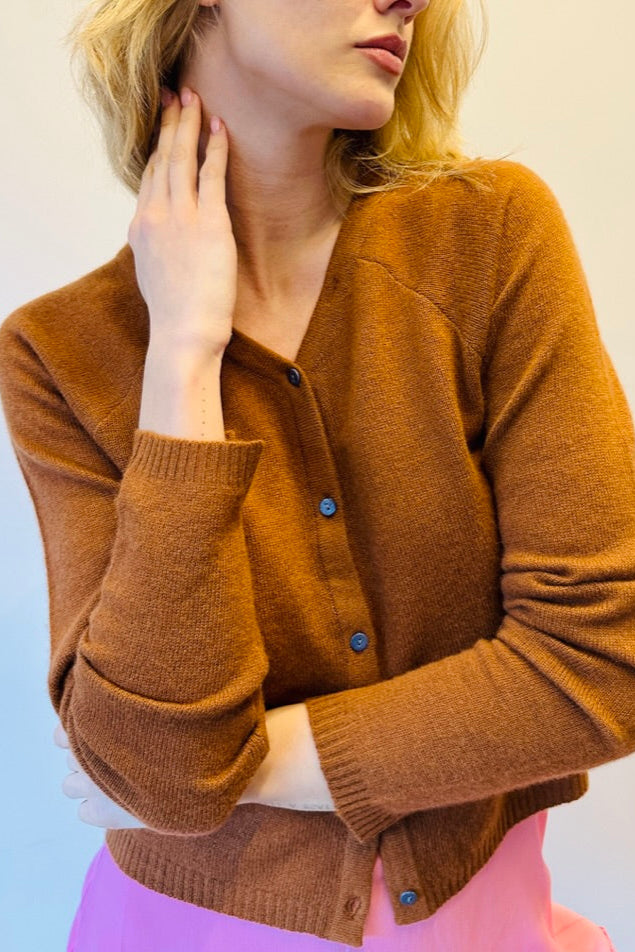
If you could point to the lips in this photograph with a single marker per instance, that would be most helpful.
(391, 42)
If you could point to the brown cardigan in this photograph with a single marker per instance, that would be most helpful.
(424, 527)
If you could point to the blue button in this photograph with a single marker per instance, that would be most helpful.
(359, 641)
(408, 897)
(295, 377)
(328, 506)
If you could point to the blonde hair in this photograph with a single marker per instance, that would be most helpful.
(129, 48)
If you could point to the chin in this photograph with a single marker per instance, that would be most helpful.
(368, 115)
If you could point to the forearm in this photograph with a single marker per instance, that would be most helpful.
(290, 775)
(181, 398)
(181, 393)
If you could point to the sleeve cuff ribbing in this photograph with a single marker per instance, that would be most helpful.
(230, 462)
(334, 738)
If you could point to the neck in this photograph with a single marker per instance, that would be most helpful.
(276, 192)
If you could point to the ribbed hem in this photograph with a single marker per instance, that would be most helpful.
(330, 723)
(231, 462)
(281, 910)
(157, 865)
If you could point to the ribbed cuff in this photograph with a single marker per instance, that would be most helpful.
(230, 462)
(335, 741)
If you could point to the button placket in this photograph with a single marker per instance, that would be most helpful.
(336, 555)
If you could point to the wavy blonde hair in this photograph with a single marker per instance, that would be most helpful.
(129, 48)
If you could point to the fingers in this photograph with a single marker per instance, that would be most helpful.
(183, 163)
(154, 180)
(60, 737)
(146, 178)
(101, 811)
(71, 761)
(159, 163)
(79, 784)
(212, 176)
(96, 807)
(173, 166)
(172, 173)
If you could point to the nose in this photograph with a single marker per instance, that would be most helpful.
(412, 6)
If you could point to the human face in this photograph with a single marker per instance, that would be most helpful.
(296, 60)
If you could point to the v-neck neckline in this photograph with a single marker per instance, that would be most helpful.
(322, 325)
(247, 350)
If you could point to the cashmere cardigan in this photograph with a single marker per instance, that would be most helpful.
(423, 528)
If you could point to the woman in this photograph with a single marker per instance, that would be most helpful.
(335, 484)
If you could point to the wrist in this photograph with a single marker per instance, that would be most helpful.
(180, 356)
(290, 776)
(181, 392)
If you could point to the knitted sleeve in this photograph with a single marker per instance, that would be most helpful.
(157, 660)
(552, 692)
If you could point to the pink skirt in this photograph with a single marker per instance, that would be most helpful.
(118, 914)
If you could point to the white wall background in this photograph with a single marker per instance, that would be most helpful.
(556, 84)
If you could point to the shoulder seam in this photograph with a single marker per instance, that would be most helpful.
(468, 344)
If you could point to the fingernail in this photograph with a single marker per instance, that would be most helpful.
(186, 96)
(166, 96)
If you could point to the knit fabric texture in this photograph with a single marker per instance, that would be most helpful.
(423, 528)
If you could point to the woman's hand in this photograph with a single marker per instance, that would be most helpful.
(290, 776)
(181, 234)
(97, 809)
